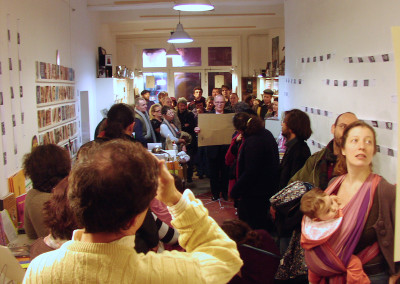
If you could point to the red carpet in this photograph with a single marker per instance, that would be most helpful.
(219, 210)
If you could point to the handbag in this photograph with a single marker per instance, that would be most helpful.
(287, 205)
(293, 265)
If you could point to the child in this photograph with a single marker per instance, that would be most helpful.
(318, 205)
(322, 217)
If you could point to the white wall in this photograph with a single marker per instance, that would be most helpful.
(45, 26)
(342, 28)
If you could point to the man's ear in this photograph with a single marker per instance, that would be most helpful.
(134, 224)
(131, 126)
(333, 128)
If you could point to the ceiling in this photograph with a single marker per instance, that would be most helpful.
(152, 18)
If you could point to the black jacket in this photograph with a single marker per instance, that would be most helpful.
(297, 153)
(258, 167)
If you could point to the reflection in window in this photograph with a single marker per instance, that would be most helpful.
(185, 83)
(155, 57)
(219, 56)
(160, 84)
(212, 83)
(190, 56)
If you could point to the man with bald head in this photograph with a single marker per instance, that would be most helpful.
(318, 169)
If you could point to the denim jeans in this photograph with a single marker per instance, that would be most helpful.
(380, 278)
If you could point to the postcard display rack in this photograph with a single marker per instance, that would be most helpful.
(56, 106)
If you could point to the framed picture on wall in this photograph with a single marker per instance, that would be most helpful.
(108, 60)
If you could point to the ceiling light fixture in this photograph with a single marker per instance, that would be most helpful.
(172, 52)
(179, 35)
(193, 5)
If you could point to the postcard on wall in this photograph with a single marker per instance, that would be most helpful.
(215, 129)
(150, 82)
(219, 81)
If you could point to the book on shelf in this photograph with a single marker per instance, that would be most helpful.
(8, 232)
(21, 210)
(9, 203)
(16, 183)
(3, 237)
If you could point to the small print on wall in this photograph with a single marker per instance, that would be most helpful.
(108, 60)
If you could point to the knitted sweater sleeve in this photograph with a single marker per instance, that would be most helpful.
(211, 256)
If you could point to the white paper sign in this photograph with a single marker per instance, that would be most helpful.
(219, 81)
(150, 82)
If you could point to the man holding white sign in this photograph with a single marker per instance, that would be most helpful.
(211, 136)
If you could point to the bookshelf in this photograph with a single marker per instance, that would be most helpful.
(56, 104)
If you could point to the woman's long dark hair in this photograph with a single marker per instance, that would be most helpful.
(248, 124)
(241, 233)
(119, 117)
(58, 215)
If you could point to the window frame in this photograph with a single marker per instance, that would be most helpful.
(203, 43)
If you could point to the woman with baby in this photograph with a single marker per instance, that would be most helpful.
(348, 230)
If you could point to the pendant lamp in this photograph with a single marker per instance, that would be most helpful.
(171, 52)
(193, 5)
(180, 36)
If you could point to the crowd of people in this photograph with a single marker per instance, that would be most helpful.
(117, 213)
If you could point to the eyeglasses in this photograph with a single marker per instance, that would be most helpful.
(218, 103)
(157, 110)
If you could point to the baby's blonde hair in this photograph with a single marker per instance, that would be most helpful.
(312, 202)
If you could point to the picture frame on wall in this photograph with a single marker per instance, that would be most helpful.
(108, 60)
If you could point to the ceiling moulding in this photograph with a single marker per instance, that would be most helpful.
(209, 15)
(202, 28)
(130, 5)
(141, 2)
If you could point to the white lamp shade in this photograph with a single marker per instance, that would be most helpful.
(193, 5)
(180, 36)
(171, 52)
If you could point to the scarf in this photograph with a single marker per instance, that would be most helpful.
(333, 257)
(174, 130)
(149, 129)
(231, 160)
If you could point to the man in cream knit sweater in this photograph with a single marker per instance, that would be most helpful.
(110, 193)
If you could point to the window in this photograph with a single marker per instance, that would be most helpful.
(217, 79)
(155, 82)
(219, 56)
(185, 82)
(155, 57)
(189, 57)
(206, 64)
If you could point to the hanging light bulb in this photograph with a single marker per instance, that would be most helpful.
(193, 5)
(179, 35)
(171, 52)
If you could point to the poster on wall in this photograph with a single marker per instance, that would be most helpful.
(150, 82)
(219, 81)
